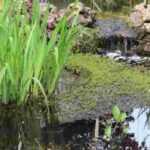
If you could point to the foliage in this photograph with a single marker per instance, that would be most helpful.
(118, 115)
(87, 41)
(117, 121)
(108, 132)
(29, 63)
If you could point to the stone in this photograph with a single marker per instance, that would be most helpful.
(147, 27)
(147, 47)
(136, 18)
(86, 16)
(140, 17)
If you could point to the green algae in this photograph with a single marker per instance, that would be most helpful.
(106, 73)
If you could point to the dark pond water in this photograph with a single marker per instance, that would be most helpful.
(33, 132)
(79, 135)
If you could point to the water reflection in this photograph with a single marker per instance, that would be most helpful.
(141, 125)
(22, 129)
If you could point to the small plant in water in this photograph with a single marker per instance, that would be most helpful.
(118, 115)
(113, 132)
(115, 136)
(116, 122)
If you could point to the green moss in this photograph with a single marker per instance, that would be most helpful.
(105, 84)
(107, 73)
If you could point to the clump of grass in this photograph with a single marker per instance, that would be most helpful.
(29, 63)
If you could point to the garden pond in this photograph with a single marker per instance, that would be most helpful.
(109, 66)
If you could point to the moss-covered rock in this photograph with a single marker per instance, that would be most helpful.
(105, 83)
(105, 72)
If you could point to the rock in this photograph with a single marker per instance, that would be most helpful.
(113, 55)
(143, 10)
(143, 47)
(140, 17)
(136, 18)
(147, 27)
(147, 47)
(86, 15)
(129, 58)
(135, 59)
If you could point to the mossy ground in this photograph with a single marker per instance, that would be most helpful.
(106, 72)
(107, 83)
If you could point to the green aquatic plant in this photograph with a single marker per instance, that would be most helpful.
(117, 121)
(118, 115)
(30, 64)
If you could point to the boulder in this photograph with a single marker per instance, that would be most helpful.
(144, 45)
(86, 16)
(136, 18)
(147, 27)
(140, 17)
